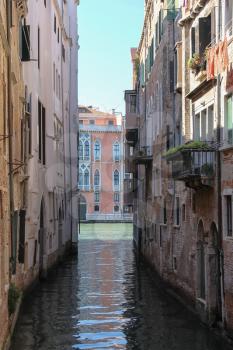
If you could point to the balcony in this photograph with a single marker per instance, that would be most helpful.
(194, 166)
(144, 155)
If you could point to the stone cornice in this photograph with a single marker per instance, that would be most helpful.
(193, 13)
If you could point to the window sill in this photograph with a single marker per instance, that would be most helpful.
(176, 226)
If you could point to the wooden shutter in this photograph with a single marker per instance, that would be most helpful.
(39, 130)
(43, 136)
(22, 215)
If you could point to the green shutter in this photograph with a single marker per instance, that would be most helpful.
(171, 10)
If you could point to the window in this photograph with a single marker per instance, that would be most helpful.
(86, 150)
(228, 210)
(132, 103)
(41, 132)
(63, 53)
(54, 77)
(183, 212)
(81, 180)
(80, 150)
(96, 208)
(81, 122)
(116, 208)
(97, 152)
(38, 38)
(84, 146)
(55, 24)
(177, 211)
(116, 197)
(86, 179)
(116, 151)
(25, 42)
(229, 118)
(116, 179)
(204, 125)
(91, 122)
(96, 197)
(165, 212)
(97, 179)
(110, 122)
(204, 33)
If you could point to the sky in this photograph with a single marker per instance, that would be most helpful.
(107, 31)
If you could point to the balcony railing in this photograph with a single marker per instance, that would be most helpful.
(144, 155)
(195, 167)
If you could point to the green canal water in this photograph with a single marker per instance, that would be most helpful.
(103, 299)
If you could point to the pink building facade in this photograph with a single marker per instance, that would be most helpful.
(101, 165)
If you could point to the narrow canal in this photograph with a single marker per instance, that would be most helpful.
(103, 301)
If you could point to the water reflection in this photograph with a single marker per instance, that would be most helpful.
(105, 302)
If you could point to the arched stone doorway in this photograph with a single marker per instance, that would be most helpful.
(214, 276)
(41, 238)
(83, 208)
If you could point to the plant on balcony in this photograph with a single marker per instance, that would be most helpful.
(197, 63)
(198, 145)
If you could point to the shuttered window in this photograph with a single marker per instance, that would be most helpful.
(21, 253)
(25, 43)
(41, 132)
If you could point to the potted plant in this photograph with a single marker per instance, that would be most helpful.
(194, 63)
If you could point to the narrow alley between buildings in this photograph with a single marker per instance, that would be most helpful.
(105, 299)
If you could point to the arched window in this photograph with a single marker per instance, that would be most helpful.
(86, 150)
(80, 150)
(116, 151)
(86, 179)
(116, 180)
(97, 151)
(97, 178)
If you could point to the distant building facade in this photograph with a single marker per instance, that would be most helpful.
(100, 165)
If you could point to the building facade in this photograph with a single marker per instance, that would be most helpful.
(38, 143)
(11, 160)
(100, 165)
(50, 57)
(179, 146)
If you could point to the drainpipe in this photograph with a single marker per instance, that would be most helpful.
(219, 177)
(10, 126)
